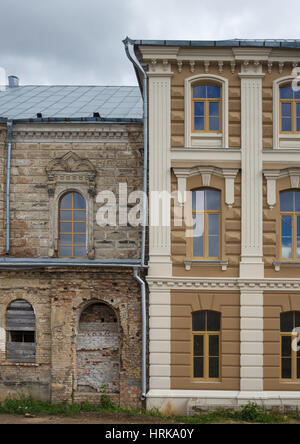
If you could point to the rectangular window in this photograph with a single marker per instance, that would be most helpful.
(289, 110)
(206, 108)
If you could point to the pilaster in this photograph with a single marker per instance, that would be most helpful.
(160, 168)
(251, 105)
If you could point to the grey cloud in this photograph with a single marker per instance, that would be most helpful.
(80, 42)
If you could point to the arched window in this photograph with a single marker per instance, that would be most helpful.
(72, 226)
(206, 223)
(290, 224)
(206, 108)
(20, 332)
(206, 345)
(290, 357)
(289, 110)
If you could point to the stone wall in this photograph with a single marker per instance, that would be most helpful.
(115, 152)
(58, 299)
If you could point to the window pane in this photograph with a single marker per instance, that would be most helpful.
(298, 368)
(198, 368)
(79, 215)
(287, 201)
(213, 246)
(66, 239)
(297, 94)
(66, 228)
(286, 109)
(286, 124)
(79, 228)
(212, 200)
(214, 109)
(214, 124)
(79, 202)
(286, 92)
(66, 215)
(16, 336)
(199, 321)
(213, 321)
(65, 251)
(198, 247)
(213, 224)
(286, 368)
(198, 200)
(198, 250)
(298, 124)
(286, 346)
(214, 346)
(286, 322)
(213, 367)
(286, 226)
(79, 239)
(286, 243)
(199, 108)
(198, 346)
(199, 92)
(79, 251)
(213, 92)
(298, 108)
(297, 200)
(66, 201)
(297, 319)
(199, 123)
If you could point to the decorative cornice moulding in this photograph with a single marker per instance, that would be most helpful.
(233, 284)
(81, 135)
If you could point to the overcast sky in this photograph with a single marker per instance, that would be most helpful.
(80, 41)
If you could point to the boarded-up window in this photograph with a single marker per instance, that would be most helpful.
(20, 331)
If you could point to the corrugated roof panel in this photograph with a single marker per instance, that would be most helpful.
(71, 101)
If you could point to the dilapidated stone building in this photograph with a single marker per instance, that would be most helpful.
(70, 305)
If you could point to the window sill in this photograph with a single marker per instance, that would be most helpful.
(205, 263)
(279, 264)
(289, 141)
(207, 140)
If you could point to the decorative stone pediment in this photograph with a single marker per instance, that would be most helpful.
(70, 163)
(71, 169)
(206, 171)
(273, 174)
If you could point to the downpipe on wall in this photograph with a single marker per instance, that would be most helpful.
(8, 170)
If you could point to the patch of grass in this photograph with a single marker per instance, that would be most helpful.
(251, 413)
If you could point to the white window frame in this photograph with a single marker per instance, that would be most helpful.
(287, 141)
(206, 140)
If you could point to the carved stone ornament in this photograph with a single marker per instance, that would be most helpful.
(66, 174)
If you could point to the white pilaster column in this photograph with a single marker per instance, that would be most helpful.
(251, 265)
(160, 339)
(251, 341)
(160, 169)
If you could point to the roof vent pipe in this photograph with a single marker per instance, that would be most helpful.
(13, 81)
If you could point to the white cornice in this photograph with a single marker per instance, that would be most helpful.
(233, 284)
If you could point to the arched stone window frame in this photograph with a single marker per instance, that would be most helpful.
(65, 175)
(213, 140)
(281, 140)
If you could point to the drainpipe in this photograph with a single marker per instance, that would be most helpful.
(9, 136)
(144, 333)
(129, 48)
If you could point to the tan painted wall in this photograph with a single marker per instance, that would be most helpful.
(183, 303)
(231, 234)
(177, 102)
(274, 305)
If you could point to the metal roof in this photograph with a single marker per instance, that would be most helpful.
(223, 43)
(67, 102)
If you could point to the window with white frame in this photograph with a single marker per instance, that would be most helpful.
(206, 111)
